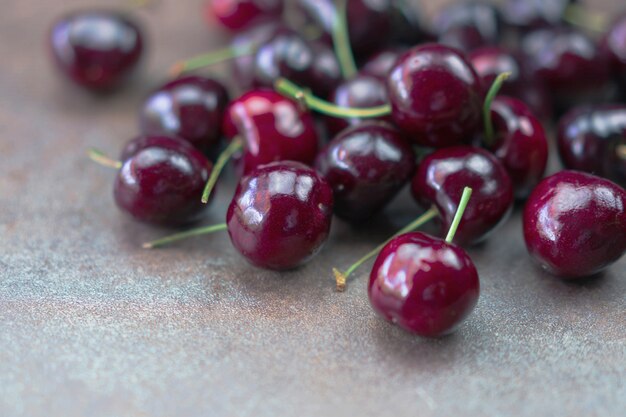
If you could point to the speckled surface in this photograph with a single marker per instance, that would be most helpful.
(92, 325)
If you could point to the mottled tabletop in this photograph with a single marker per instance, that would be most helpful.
(93, 325)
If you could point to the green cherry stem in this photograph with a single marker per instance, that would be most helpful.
(184, 235)
(341, 277)
(210, 58)
(235, 145)
(99, 157)
(291, 90)
(465, 197)
(341, 41)
(491, 94)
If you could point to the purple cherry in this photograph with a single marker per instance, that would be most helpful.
(238, 14)
(593, 139)
(366, 166)
(280, 215)
(436, 96)
(467, 26)
(423, 284)
(575, 224)
(96, 49)
(190, 107)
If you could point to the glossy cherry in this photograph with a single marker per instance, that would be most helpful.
(529, 14)
(163, 184)
(614, 45)
(575, 224)
(287, 54)
(366, 166)
(436, 96)
(238, 14)
(520, 143)
(96, 49)
(280, 215)
(423, 284)
(191, 107)
(593, 139)
(441, 177)
(468, 25)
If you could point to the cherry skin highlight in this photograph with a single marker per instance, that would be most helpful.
(423, 284)
(239, 14)
(280, 215)
(366, 166)
(139, 143)
(441, 177)
(436, 96)
(190, 107)
(575, 224)
(529, 14)
(380, 64)
(97, 49)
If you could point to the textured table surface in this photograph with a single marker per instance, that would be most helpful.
(92, 325)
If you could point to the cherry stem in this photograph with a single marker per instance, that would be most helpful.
(99, 157)
(491, 95)
(341, 41)
(293, 91)
(581, 16)
(341, 277)
(465, 197)
(234, 146)
(210, 58)
(184, 235)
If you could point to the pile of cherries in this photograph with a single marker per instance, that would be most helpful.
(344, 102)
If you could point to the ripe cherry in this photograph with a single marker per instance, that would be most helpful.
(467, 26)
(440, 179)
(96, 49)
(366, 166)
(593, 139)
(280, 215)
(238, 14)
(163, 184)
(575, 224)
(436, 96)
(191, 107)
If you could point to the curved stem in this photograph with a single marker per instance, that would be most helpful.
(99, 157)
(295, 92)
(341, 277)
(208, 59)
(491, 94)
(581, 16)
(465, 197)
(184, 235)
(235, 145)
(341, 41)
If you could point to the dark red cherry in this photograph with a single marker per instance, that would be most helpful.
(163, 184)
(190, 107)
(366, 166)
(575, 224)
(280, 215)
(423, 284)
(380, 64)
(272, 128)
(520, 143)
(467, 26)
(614, 45)
(436, 96)
(593, 139)
(491, 61)
(529, 14)
(361, 91)
(441, 177)
(142, 142)
(96, 49)
(238, 14)
(312, 64)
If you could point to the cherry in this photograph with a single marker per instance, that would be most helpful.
(593, 139)
(614, 45)
(359, 91)
(288, 54)
(435, 95)
(528, 14)
(441, 176)
(575, 224)
(380, 64)
(191, 107)
(96, 49)
(163, 184)
(520, 143)
(467, 26)
(366, 166)
(280, 215)
(238, 14)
